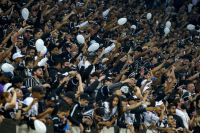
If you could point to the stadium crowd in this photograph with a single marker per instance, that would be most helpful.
(101, 66)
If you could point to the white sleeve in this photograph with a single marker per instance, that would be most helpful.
(28, 101)
(106, 107)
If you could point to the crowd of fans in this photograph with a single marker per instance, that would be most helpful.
(148, 82)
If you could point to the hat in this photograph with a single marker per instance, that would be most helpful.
(38, 89)
(8, 87)
(84, 96)
(7, 74)
(6, 67)
(17, 55)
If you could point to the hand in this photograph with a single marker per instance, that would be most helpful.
(13, 91)
(65, 79)
(146, 95)
(33, 118)
(35, 100)
(116, 55)
(73, 12)
(131, 128)
(46, 67)
(78, 76)
(125, 71)
(1, 118)
(108, 124)
(19, 105)
(179, 129)
(68, 131)
(81, 127)
(27, 27)
(102, 78)
(49, 110)
(154, 49)
(72, 73)
(169, 61)
(46, 85)
(126, 81)
(170, 130)
(123, 59)
(24, 23)
(129, 80)
(157, 109)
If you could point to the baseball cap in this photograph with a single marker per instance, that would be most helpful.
(17, 55)
(8, 87)
(7, 74)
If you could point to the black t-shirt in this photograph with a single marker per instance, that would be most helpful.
(8, 113)
(102, 94)
(179, 121)
(58, 124)
(196, 129)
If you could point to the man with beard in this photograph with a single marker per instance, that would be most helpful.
(36, 78)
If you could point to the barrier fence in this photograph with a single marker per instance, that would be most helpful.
(10, 126)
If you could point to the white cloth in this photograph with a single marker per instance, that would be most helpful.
(190, 7)
(34, 109)
(75, 129)
(184, 116)
(108, 114)
(151, 131)
(107, 130)
(22, 129)
(129, 118)
(150, 118)
(124, 130)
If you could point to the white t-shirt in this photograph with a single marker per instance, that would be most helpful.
(184, 116)
(34, 109)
